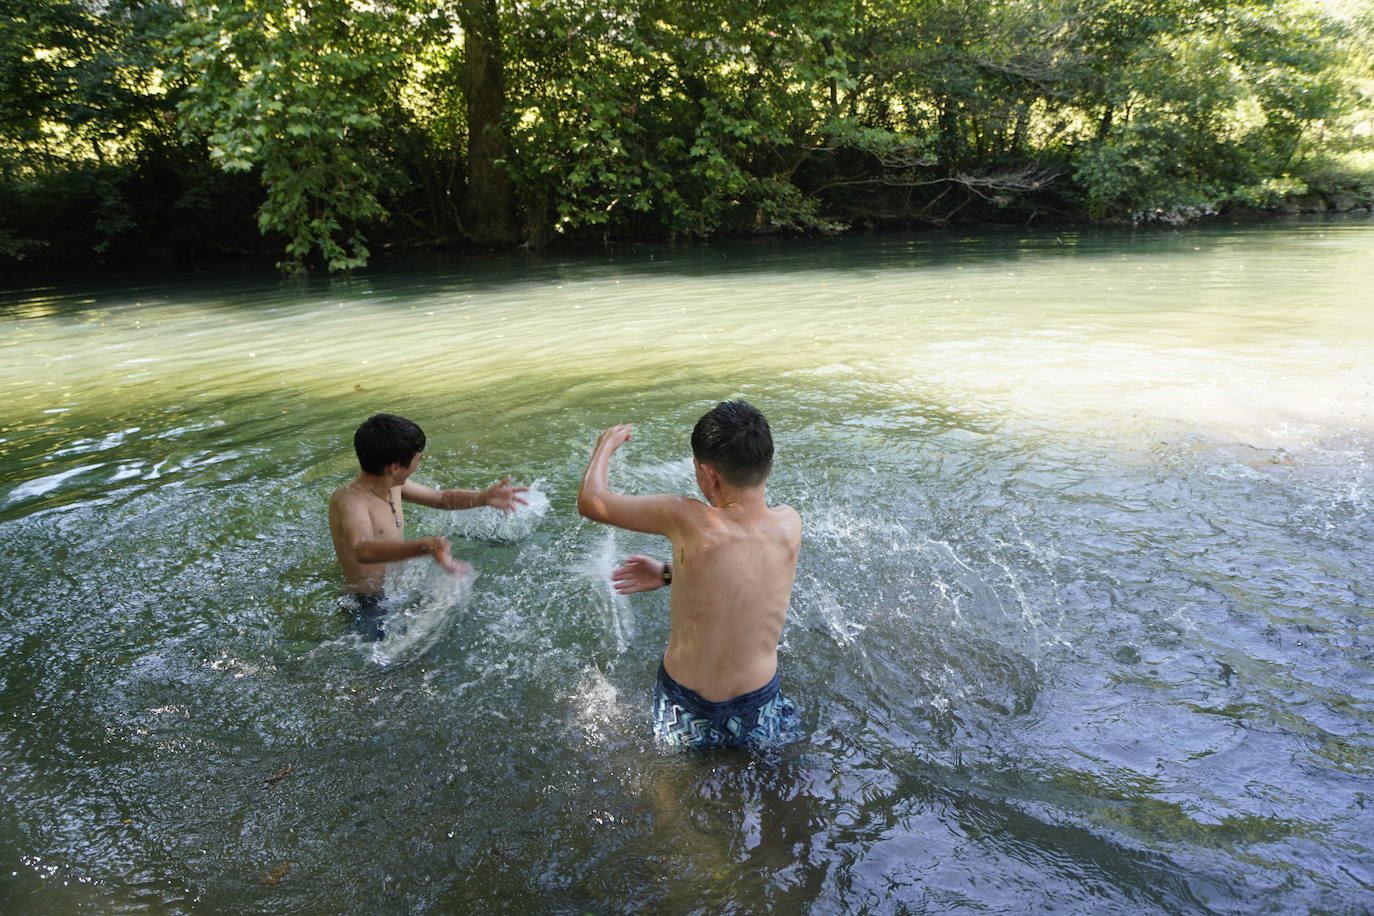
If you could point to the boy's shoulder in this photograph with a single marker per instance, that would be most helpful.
(785, 513)
(789, 523)
(344, 495)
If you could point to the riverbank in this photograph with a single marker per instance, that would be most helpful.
(1348, 195)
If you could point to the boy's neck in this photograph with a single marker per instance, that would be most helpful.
(738, 498)
(377, 482)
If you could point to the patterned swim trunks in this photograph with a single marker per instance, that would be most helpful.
(759, 719)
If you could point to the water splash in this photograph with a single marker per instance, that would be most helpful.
(489, 524)
(594, 570)
(429, 600)
(599, 710)
(674, 476)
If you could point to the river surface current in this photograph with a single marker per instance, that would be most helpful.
(1083, 621)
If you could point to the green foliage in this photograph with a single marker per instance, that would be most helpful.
(1220, 102)
(297, 91)
(1270, 192)
(345, 123)
(81, 97)
(660, 116)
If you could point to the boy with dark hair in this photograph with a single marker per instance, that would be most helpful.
(367, 522)
(733, 562)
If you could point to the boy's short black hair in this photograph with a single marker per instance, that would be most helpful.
(734, 438)
(386, 439)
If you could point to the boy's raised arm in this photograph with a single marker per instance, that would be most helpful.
(657, 514)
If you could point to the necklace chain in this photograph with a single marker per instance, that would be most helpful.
(395, 516)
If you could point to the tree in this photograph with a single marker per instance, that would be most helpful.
(346, 124)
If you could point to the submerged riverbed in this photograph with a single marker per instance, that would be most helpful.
(1084, 616)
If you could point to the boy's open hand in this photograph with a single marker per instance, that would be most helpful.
(638, 574)
(614, 437)
(501, 495)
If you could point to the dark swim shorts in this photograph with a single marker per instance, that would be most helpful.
(755, 720)
(368, 611)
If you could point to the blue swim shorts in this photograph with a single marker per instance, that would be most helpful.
(758, 719)
(368, 611)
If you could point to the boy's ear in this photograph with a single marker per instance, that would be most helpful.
(711, 474)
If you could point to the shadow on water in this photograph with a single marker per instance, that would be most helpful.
(398, 281)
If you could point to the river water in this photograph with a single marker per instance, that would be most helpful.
(1084, 617)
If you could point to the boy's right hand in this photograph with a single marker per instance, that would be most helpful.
(439, 549)
(614, 437)
(638, 574)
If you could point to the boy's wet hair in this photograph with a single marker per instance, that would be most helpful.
(734, 438)
(386, 439)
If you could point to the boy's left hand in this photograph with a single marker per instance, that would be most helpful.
(501, 495)
(637, 574)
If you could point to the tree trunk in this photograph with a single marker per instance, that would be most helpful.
(951, 145)
(490, 211)
(1104, 125)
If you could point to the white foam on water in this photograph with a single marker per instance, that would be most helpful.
(491, 524)
(598, 708)
(43, 485)
(237, 667)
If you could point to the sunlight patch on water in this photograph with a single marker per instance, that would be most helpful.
(1133, 393)
(600, 712)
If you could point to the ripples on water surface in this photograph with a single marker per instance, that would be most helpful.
(1082, 619)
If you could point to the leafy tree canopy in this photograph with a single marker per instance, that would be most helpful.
(330, 126)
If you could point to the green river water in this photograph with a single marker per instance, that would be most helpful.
(1083, 622)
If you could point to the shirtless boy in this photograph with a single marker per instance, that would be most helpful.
(733, 562)
(367, 521)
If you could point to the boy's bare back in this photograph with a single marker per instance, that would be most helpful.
(733, 569)
(734, 561)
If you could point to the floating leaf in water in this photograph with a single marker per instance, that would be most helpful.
(279, 775)
(277, 874)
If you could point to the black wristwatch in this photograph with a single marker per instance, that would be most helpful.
(667, 573)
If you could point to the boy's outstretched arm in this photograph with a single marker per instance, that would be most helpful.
(596, 500)
(500, 495)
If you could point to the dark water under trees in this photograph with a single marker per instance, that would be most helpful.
(1084, 617)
